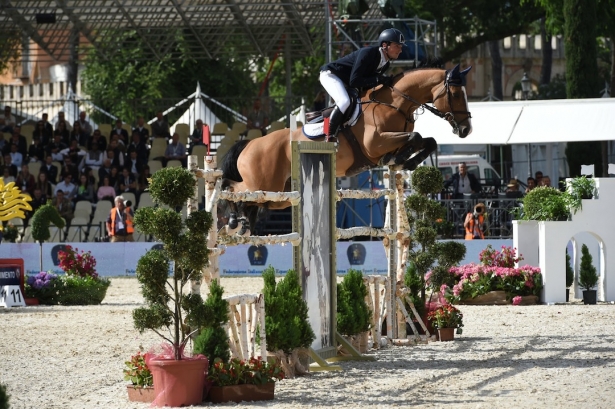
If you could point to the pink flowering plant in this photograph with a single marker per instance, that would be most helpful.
(254, 371)
(496, 272)
(77, 264)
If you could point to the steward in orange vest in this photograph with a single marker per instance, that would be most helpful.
(120, 222)
(474, 223)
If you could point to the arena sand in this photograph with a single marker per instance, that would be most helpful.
(558, 356)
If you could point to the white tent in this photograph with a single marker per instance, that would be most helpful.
(199, 110)
(538, 129)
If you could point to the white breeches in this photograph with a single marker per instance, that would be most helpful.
(336, 89)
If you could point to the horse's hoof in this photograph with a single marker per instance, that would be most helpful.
(232, 221)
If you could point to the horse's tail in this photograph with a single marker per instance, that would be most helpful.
(229, 164)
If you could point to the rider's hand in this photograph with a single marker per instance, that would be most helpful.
(385, 80)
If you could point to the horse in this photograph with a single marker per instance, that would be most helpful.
(382, 136)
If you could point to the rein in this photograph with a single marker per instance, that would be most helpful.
(448, 116)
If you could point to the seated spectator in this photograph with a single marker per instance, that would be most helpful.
(36, 152)
(116, 142)
(120, 131)
(512, 189)
(106, 191)
(531, 184)
(545, 181)
(133, 164)
(48, 127)
(75, 153)
(17, 139)
(85, 125)
(41, 133)
(143, 131)
(38, 199)
(63, 205)
(69, 167)
(160, 127)
(50, 169)
(140, 146)
(61, 118)
(127, 182)
(55, 148)
(25, 180)
(66, 186)
(114, 178)
(175, 151)
(44, 185)
(17, 158)
(6, 176)
(9, 166)
(94, 159)
(7, 121)
(104, 170)
(85, 190)
(79, 135)
(64, 132)
(98, 138)
(197, 135)
(116, 155)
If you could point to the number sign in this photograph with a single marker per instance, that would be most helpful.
(11, 296)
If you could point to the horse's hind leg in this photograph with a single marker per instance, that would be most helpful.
(428, 146)
(401, 155)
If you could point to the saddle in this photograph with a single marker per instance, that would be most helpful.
(315, 117)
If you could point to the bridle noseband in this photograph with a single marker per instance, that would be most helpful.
(447, 116)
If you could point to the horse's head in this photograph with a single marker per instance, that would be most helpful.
(451, 100)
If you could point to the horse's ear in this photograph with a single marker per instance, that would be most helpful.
(464, 72)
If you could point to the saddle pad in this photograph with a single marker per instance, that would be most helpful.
(314, 131)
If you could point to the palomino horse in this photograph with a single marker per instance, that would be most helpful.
(381, 137)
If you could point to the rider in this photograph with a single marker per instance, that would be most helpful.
(363, 68)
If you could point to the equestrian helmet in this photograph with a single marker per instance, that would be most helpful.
(391, 35)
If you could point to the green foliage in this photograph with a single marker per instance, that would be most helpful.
(4, 397)
(286, 313)
(415, 283)
(113, 83)
(70, 290)
(556, 89)
(569, 270)
(580, 21)
(10, 46)
(41, 219)
(213, 339)
(545, 203)
(353, 314)
(165, 303)
(588, 278)
(137, 371)
(173, 186)
(580, 188)
(427, 179)
(467, 24)
(255, 371)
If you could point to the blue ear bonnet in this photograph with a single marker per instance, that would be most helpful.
(456, 77)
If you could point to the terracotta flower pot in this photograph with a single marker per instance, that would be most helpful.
(446, 334)
(178, 383)
(241, 393)
(141, 394)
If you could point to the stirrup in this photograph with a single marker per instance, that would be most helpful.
(331, 138)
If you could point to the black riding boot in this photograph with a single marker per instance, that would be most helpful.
(335, 121)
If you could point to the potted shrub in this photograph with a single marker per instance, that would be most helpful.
(10, 233)
(580, 188)
(446, 319)
(353, 314)
(45, 215)
(545, 203)
(140, 376)
(587, 276)
(569, 275)
(287, 327)
(240, 380)
(164, 275)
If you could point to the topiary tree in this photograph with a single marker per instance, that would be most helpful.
(353, 314)
(286, 319)
(569, 271)
(587, 272)
(45, 215)
(213, 339)
(183, 248)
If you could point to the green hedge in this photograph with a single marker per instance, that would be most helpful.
(71, 290)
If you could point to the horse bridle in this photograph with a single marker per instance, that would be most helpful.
(448, 116)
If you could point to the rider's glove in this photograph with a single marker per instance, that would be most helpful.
(385, 80)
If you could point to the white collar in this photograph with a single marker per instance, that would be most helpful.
(383, 58)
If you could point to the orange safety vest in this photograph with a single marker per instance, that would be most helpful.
(128, 221)
(473, 228)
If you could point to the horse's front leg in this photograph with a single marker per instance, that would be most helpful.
(396, 159)
(427, 146)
